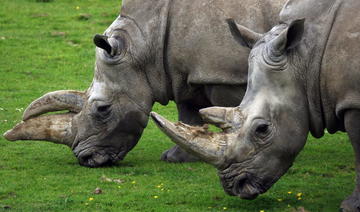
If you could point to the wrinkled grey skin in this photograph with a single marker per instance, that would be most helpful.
(158, 51)
(304, 77)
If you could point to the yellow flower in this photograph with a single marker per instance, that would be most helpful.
(299, 198)
(225, 208)
(119, 186)
(91, 199)
(289, 192)
(159, 186)
(162, 189)
(133, 182)
(262, 210)
(279, 200)
(77, 7)
(299, 194)
(209, 207)
(155, 197)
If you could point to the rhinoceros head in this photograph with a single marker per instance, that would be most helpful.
(105, 122)
(118, 101)
(260, 138)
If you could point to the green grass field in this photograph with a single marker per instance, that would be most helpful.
(48, 46)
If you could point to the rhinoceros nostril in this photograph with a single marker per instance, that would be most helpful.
(86, 161)
(239, 184)
(95, 160)
(103, 108)
(101, 159)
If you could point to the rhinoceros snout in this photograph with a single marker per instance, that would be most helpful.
(94, 160)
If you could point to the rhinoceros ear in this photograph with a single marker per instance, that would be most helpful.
(289, 38)
(244, 36)
(102, 42)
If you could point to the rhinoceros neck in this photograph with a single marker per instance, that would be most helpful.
(152, 19)
(319, 18)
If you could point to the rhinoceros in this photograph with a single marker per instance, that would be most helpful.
(303, 77)
(155, 51)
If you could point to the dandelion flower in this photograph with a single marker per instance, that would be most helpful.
(299, 198)
(225, 208)
(133, 182)
(77, 7)
(155, 197)
(91, 199)
(289, 192)
(262, 210)
(299, 194)
(279, 200)
(119, 186)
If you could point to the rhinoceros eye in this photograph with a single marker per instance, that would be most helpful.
(262, 129)
(101, 110)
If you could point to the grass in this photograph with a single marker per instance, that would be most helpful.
(47, 46)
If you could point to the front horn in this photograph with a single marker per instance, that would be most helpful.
(54, 128)
(55, 101)
(204, 144)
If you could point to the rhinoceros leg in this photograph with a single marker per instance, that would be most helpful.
(189, 115)
(352, 126)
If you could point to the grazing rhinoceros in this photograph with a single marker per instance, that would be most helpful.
(304, 76)
(155, 51)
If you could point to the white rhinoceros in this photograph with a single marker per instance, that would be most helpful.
(304, 76)
(155, 51)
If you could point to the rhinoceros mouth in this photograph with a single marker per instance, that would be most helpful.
(96, 158)
(245, 185)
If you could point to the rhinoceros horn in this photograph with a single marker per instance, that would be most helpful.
(201, 142)
(55, 128)
(55, 101)
(222, 117)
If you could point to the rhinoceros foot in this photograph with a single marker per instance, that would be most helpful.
(351, 204)
(177, 155)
